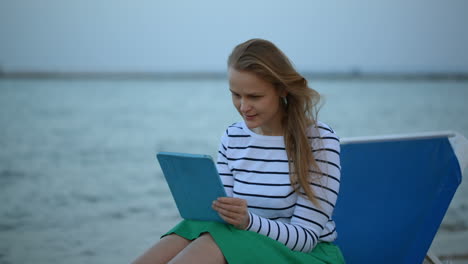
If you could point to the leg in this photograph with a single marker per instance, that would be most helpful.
(201, 250)
(163, 251)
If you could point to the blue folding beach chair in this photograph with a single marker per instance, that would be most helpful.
(394, 194)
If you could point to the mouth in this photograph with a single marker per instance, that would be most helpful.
(250, 117)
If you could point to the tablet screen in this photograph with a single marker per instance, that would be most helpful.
(194, 183)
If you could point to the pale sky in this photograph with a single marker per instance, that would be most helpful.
(169, 36)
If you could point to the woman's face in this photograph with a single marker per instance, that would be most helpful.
(257, 101)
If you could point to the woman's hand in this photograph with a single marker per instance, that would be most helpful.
(233, 210)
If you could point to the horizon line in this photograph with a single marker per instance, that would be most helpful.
(223, 75)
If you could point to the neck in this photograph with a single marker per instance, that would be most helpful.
(269, 131)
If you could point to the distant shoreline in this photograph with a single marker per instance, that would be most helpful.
(220, 75)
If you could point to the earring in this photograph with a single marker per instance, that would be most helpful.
(285, 100)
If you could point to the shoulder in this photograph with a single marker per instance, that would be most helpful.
(320, 129)
(325, 144)
(235, 130)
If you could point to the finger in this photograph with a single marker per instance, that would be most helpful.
(226, 210)
(232, 200)
(235, 204)
(237, 222)
(227, 219)
(240, 223)
(231, 208)
(228, 213)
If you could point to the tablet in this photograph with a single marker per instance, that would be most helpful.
(194, 183)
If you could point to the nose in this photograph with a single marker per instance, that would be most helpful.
(244, 105)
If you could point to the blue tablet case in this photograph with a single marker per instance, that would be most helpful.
(194, 183)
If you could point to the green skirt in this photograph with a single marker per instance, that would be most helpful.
(240, 246)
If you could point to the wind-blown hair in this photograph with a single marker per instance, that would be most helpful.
(266, 61)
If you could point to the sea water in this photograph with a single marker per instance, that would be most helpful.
(79, 182)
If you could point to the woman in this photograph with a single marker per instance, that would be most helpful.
(280, 168)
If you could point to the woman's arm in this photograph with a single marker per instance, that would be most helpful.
(308, 221)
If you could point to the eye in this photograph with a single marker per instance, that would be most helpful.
(235, 94)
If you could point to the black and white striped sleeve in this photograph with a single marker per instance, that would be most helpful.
(225, 173)
(308, 223)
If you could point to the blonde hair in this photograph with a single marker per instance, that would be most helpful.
(265, 60)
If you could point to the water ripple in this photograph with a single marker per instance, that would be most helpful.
(8, 177)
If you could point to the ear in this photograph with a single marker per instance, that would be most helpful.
(283, 93)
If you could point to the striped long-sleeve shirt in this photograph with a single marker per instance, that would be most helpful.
(255, 168)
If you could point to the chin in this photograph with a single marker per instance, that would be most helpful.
(251, 125)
